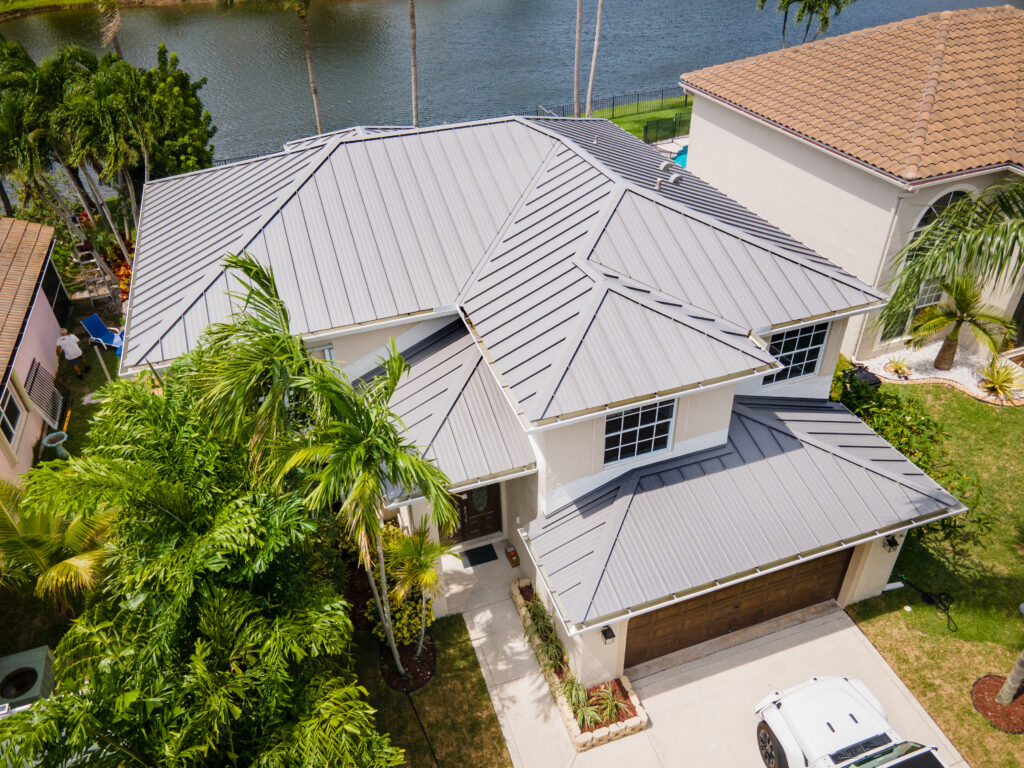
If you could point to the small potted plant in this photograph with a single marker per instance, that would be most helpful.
(898, 367)
(1000, 379)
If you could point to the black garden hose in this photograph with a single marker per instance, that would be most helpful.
(942, 601)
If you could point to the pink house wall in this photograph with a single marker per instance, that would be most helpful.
(38, 342)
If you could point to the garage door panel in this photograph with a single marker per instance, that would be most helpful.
(726, 610)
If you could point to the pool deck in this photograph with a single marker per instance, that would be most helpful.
(672, 147)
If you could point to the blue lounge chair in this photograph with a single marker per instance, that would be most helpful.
(110, 338)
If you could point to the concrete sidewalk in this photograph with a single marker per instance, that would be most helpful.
(700, 703)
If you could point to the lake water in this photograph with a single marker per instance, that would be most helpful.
(477, 58)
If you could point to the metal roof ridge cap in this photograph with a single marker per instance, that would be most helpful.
(744, 410)
(213, 272)
(624, 500)
(784, 253)
(485, 257)
(688, 320)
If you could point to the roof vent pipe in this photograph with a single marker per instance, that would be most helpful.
(595, 141)
(657, 183)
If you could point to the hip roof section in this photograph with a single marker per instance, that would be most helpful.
(573, 255)
(926, 97)
(796, 478)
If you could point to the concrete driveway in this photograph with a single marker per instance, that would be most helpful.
(700, 700)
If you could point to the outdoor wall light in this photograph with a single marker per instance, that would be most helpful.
(608, 635)
(891, 543)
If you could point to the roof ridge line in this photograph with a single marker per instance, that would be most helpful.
(744, 410)
(800, 260)
(213, 272)
(510, 219)
(927, 103)
(592, 580)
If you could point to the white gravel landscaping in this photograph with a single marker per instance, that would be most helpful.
(964, 371)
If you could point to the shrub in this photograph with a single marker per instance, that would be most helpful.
(406, 615)
(899, 366)
(608, 704)
(1000, 378)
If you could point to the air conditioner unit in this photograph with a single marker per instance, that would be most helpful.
(25, 677)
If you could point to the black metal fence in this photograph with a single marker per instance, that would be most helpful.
(663, 128)
(622, 106)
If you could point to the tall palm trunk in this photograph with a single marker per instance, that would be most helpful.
(785, 23)
(412, 50)
(8, 208)
(76, 184)
(576, 60)
(309, 68)
(807, 31)
(947, 352)
(108, 216)
(115, 43)
(1009, 690)
(46, 189)
(593, 58)
(384, 605)
(423, 623)
(127, 182)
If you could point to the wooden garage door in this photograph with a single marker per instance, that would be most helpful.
(693, 621)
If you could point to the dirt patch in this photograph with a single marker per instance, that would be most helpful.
(417, 670)
(625, 712)
(357, 595)
(527, 593)
(1007, 719)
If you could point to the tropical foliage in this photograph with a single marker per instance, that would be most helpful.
(811, 11)
(74, 122)
(58, 551)
(979, 236)
(910, 429)
(990, 325)
(1001, 378)
(415, 562)
(211, 640)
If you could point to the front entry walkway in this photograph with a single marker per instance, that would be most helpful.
(700, 703)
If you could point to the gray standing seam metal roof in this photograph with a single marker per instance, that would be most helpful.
(451, 406)
(353, 132)
(543, 239)
(794, 478)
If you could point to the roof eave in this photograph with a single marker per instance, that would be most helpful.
(677, 597)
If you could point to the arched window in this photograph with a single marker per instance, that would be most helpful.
(930, 292)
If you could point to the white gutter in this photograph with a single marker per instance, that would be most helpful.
(863, 310)
(609, 409)
(347, 330)
(596, 623)
(480, 482)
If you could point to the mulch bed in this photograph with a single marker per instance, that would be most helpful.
(527, 593)
(417, 671)
(621, 695)
(1006, 719)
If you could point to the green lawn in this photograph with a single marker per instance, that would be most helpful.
(454, 705)
(7, 6)
(635, 123)
(987, 587)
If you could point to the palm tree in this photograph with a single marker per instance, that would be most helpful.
(989, 325)
(361, 455)
(576, 60)
(412, 49)
(301, 7)
(980, 236)
(61, 552)
(593, 58)
(783, 8)
(415, 560)
(1013, 683)
(111, 24)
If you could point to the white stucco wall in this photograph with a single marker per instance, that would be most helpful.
(869, 570)
(571, 456)
(357, 350)
(845, 213)
(38, 342)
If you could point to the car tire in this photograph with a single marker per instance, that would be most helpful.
(769, 747)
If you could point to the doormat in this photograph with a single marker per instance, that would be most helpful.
(479, 555)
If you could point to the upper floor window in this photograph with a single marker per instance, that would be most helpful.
(798, 350)
(930, 293)
(325, 352)
(10, 415)
(638, 431)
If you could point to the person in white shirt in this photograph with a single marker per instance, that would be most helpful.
(68, 344)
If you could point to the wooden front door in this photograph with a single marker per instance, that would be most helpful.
(725, 610)
(479, 512)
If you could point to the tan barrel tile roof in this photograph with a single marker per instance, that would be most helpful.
(24, 247)
(929, 96)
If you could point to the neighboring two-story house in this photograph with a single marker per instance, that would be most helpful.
(33, 306)
(620, 369)
(852, 142)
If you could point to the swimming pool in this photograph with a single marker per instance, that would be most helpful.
(681, 157)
